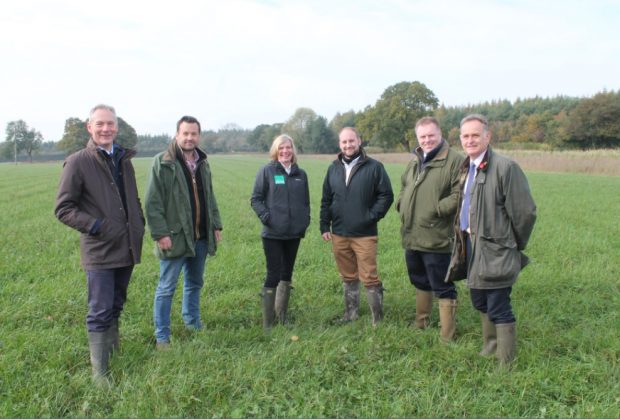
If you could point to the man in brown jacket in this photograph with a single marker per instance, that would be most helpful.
(98, 197)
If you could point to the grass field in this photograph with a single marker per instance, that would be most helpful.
(567, 303)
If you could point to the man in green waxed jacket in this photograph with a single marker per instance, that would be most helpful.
(427, 204)
(184, 221)
(496, 218)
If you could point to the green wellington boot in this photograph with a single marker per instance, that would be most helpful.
(489, 336)
(506, 343)
(351, 292)
(283, 294)
(269, 315)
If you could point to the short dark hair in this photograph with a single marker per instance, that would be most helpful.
(188, 120)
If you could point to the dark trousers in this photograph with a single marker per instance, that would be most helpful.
(280, 256)
(107, 292)
(427, 272)
(494, 302)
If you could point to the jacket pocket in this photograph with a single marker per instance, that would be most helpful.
(108, 246)
(300, 220)
(178, 248)
(433, 233)
(111, 231)
(279, 220)
(498, 261)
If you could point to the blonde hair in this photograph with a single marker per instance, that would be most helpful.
(277, 142)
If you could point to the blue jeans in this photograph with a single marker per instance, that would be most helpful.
(169, 271)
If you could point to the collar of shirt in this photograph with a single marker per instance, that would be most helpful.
(191, 163)
(479, 159)
(109, 153)
(353, 162)
(348, 167)
(287, 169)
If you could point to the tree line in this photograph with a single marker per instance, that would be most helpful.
(552, 123)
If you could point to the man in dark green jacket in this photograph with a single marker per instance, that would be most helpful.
(357, 193)
(427, 204)
(496, 218)
(184, 221)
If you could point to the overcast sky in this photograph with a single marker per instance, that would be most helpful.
(250, 62)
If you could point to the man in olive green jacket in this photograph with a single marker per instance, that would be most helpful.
(427, 205)
(184, 221)
(496, 218)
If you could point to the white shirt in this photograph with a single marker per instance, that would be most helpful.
(287, 169)
(347, 169)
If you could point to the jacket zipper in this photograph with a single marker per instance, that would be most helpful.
(197, 203)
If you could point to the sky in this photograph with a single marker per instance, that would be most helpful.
(251, 62)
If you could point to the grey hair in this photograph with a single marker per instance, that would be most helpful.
(476, 117)
(103, 107)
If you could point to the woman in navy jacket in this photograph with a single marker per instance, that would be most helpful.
(281, 200)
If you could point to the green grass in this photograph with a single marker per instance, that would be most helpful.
(566, 303)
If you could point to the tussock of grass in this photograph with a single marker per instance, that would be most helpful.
(566, 303)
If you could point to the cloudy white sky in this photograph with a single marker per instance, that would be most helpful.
(250, 62)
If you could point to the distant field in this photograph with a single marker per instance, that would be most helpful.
(567, 304)
(596, 162)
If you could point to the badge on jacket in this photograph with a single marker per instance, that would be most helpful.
(279, 179)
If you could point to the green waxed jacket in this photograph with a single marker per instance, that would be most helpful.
(502, 214)
(428, 199)
(168, 207)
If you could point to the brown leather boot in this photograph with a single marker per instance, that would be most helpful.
(423, 307)
(447, 319)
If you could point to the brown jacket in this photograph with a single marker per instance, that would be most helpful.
(87, 193)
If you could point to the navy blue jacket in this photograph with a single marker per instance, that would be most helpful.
(353, 210)
(282, 201)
